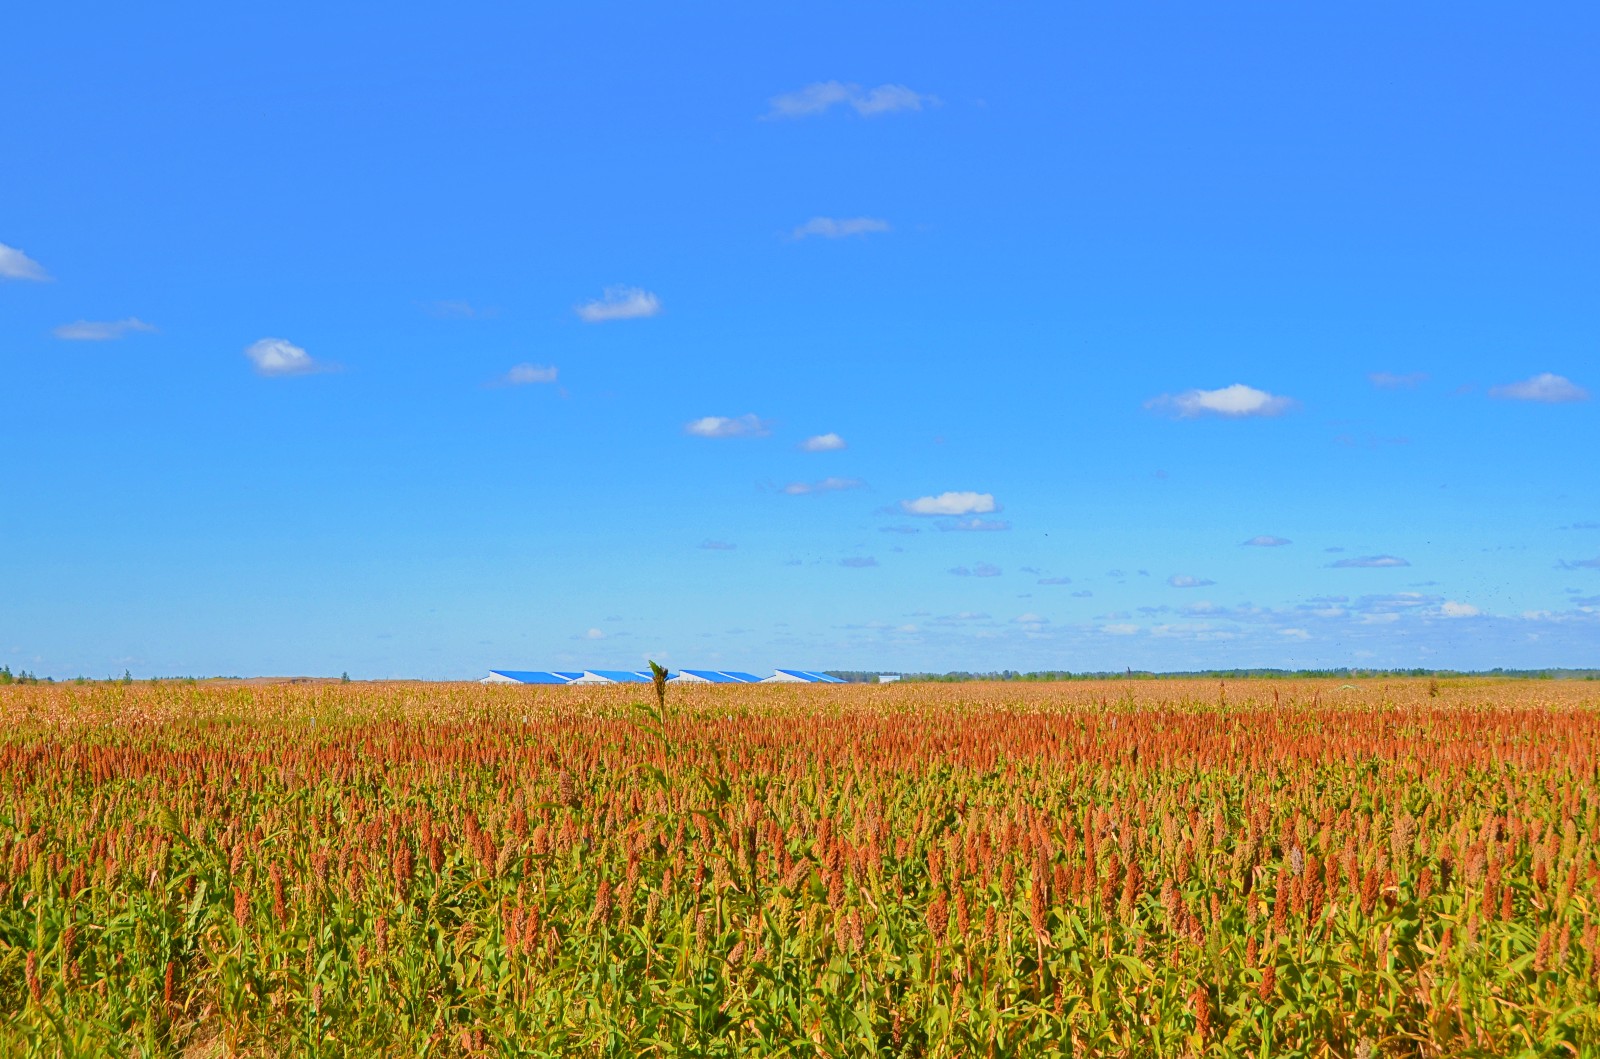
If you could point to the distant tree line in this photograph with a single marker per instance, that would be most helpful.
(24, 677)
(1043, 676)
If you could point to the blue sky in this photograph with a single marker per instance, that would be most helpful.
(410, 343)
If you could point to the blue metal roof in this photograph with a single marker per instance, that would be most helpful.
(621, 676)
(809, 676)
(713, 676)
(530, 676)
(569, 676)
(742, 678)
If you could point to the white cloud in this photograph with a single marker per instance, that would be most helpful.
(594, 634)
(277, 356)
(823, 443)
(1030, 619)
(717, 546)
(526, 374)
(14, 264)
(814, 98)
(832, 228)
(1266, 540)
(1120, 629)
(827, 485)
(976, 570)
(745, 426)
(887, 98)
(1545, 387)
(1369, 562)
(951, 504)
(1234, 401)
(1188, 581)
(1197, 631)
(975, 525)
(822, 96)
(101, 330)
(1451, 609)
(1386, 380)
(619, 303)
(1396, 601)
(1295, 634)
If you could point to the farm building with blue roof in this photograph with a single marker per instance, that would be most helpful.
(642, 676)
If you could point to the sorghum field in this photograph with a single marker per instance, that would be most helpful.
(1125, 868)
